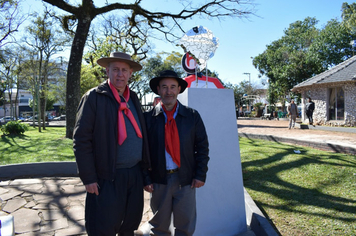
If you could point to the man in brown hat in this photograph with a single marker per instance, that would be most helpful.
(179, 152)
(111, 148)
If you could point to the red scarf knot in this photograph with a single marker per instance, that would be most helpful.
(123, 108)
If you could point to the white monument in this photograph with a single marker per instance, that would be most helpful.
(220, 203)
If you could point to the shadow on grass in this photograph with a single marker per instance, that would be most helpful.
(280, 174)
(25, 149)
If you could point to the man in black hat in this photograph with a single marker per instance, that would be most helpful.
(179, 152)
(111, 148)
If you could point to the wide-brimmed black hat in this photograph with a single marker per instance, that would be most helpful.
(167, 74)
(119, 56)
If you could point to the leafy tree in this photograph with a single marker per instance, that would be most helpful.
(108, 37)
(8, 68)
(349, 16)
(2, 91)
(10, 20)
(57, 89)
(46, 40)
(84, 14)
(305, 51)
(153, 66)
(287, 62)
(244, 87)
(332, 45)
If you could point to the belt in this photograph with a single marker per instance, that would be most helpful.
(172, 171)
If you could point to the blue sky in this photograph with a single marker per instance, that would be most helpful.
(241, 39)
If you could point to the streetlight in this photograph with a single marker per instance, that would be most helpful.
(249, 82)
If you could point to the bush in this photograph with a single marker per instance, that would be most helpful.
(14, 128)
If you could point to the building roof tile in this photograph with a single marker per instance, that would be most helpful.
(343, 72)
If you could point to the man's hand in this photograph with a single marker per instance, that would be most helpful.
(92, 188)
(197, 183)
(149, 188)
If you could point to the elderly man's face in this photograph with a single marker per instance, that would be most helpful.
(119, 74)
(168, 89)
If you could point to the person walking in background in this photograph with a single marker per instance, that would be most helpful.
(293, 112)
(310, 106)
(110, 145)
(179, 152)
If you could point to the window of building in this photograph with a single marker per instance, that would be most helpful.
(24, 100)
(336, 104)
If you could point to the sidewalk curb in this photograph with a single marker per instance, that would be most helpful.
(38, 169)
(256, 220)
(321, 146)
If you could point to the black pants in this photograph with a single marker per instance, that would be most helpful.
(118, 207)
(310, 116)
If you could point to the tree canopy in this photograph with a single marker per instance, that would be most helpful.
(10, 20)
(138, 17)
(302, 52)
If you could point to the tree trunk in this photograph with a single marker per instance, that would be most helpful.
(73, 74)
(43, 109)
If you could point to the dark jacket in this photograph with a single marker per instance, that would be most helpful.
(194, 146)
(95, 134)
(292, 109)
(310, 106)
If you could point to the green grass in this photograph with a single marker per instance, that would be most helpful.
(312, 193)
(33, 146)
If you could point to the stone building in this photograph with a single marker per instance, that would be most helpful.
(334, 94)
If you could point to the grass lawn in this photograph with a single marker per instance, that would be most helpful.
(32, 146)
(312, 193)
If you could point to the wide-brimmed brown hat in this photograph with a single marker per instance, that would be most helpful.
(119, 56)
(167, 74)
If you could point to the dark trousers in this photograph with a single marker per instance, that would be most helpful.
(118, 207)
(310, 116)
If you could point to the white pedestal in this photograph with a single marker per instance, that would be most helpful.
(7, 225)
(220, 203)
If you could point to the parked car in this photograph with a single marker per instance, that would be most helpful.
(6, 119)
(48, 118)
(62, 117)
(28, 119)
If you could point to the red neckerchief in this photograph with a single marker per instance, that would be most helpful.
(122, 134)
(172, 142)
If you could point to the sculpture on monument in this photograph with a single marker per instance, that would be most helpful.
(199, 45)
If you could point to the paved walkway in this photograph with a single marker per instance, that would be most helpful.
(48, 206)
(55, 205)
(336, 139)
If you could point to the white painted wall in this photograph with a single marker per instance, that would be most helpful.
(220, 203)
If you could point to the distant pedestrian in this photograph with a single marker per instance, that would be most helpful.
(310, 106)
(293, 112)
